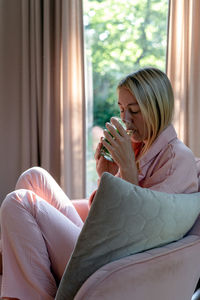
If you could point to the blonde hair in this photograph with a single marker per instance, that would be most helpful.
(153, 92)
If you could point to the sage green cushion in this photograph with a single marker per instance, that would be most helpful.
(125, 219)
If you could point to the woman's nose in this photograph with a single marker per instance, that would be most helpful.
(127, 118)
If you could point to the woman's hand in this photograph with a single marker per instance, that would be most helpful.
(102, 164)
(121, 150)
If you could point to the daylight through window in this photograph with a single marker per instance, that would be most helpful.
(120, 37)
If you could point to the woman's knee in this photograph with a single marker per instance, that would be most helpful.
(8, 205)
(30, 177)
(15, 199)
(15, 205)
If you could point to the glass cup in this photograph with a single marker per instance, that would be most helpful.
(104, 151)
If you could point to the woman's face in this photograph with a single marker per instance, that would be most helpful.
(131, 115)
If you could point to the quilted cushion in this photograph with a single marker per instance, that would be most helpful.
(125, 219)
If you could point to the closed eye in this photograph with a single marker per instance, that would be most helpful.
(134, 112)
(131, 112)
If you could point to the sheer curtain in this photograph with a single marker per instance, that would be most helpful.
(41, 92)
(73, 96)
(183, 69)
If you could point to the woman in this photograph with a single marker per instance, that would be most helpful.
(160, 161)
(40, 226)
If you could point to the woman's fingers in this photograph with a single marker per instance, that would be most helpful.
(107, 145)
(98, 151)
(119, 127)
(111, 129)
(109, 136)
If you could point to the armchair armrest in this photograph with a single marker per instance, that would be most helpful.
(82, 208)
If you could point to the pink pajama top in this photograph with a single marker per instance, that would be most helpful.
(168, 166)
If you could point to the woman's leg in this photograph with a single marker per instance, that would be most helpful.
(43, 184)
(37, 242)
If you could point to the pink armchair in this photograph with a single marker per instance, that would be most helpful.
(170, 272)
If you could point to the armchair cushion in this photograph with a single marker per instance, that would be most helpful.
(125, 219)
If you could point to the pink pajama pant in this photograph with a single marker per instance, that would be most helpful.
(40, 227)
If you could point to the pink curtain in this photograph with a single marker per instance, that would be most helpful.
(183, 69)
(41, 92)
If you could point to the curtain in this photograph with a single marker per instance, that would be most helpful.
(41, 92)
(74, 137)
(183, 69)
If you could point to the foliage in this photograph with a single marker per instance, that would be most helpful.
(122, 36)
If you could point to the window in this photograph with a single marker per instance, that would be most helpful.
(120, 37)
